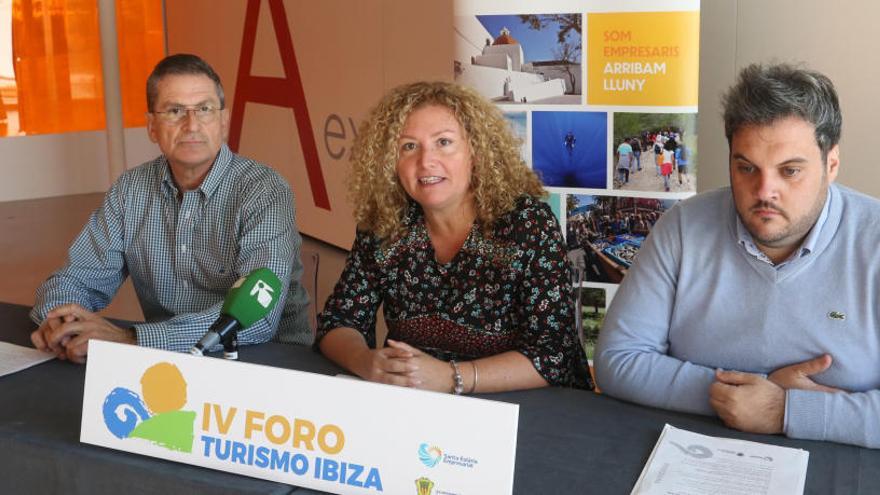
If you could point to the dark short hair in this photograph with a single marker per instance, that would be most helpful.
(181, 64)
(764, 94)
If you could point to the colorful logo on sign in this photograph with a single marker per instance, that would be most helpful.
(157, 416)
(430, 455)
(424, 486)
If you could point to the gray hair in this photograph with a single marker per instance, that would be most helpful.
(765, 94)
(181, 64)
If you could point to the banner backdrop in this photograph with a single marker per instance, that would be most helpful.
(603, 95)
(299, 77)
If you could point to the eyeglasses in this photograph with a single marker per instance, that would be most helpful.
(174, 115)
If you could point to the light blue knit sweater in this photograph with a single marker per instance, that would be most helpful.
(695, 300)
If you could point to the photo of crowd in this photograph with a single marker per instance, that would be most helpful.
(655, 152)
(604, 233)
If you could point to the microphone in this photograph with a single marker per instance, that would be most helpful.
(249, 300)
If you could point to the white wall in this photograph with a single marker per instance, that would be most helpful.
(53, 165)
(837, 39)
(50, 165)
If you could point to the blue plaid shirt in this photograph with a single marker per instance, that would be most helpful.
(184, 254)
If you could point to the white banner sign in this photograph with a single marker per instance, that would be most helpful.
(331, 434)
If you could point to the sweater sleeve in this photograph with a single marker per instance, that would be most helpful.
(850, 418)
(631, 360)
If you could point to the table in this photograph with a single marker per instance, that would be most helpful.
(569, 441)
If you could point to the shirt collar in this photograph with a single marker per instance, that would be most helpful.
(212, 180)
(807, 246)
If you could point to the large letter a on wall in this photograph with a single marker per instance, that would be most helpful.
(283, 92)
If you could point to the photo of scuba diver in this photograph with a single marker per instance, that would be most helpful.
(569, 148)
(569, 142)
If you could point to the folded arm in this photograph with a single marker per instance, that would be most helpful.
(632, 361)
(817, 412)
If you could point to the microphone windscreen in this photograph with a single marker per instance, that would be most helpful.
(251, 298)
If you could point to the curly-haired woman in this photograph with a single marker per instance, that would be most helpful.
(453, 240)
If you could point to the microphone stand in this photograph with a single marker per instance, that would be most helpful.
(223, 331)
(230, 346)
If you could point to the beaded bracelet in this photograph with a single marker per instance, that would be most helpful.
(457, 381)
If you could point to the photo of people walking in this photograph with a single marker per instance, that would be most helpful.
(655, 152)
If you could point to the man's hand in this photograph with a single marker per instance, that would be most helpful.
(748, 402)
(798, 375)
(78, 326)
(40, 336)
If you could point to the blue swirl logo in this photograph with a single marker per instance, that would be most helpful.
(123, 410)
(430, 455)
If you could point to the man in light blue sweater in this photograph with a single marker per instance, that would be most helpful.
(759, 302)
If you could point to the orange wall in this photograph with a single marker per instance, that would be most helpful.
(348, 53)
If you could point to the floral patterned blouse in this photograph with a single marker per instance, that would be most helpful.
(508, 291)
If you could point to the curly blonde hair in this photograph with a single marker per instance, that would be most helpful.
(499, 174)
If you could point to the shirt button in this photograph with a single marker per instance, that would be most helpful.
(183, 248)
(185, 284)
(186, 214)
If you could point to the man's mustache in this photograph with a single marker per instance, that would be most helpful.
(767, 205)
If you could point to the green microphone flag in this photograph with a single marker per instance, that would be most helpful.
(251, 298)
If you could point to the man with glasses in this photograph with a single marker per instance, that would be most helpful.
(184, 226)
(758, 302)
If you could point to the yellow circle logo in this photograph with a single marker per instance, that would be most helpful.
(164, 388)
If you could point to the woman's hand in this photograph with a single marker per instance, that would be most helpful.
(388, 365)
(427, 372)
(396, 364)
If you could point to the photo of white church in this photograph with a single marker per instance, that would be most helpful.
(520, 58)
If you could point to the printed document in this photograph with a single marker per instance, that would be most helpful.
(14, 358)
(687, 463)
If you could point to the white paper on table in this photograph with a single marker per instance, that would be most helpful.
(687, 463)
(14, 358)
